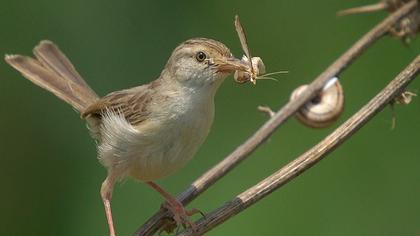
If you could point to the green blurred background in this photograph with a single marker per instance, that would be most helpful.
(49, 175)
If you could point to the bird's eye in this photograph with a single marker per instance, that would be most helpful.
(200, 56)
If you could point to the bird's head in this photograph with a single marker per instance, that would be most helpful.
(201, 63)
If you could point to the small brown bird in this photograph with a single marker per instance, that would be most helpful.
(146, 132)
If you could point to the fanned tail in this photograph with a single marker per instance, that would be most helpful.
(53, 71)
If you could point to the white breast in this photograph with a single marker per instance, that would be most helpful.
(160, 145)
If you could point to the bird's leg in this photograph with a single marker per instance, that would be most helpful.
(106, 194)
(181, 215)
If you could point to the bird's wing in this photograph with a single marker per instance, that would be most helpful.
(132, 104)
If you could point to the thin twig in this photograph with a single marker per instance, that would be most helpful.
(157, 221)
(267, 110)
(309, 158)
(364, 9)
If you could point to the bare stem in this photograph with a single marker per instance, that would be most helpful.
(157, 221)
(364, 9)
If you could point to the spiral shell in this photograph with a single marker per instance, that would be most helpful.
(259, 68)
(324, 109)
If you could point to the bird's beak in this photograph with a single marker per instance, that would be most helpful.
(230, 65)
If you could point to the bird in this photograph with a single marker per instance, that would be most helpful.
(145, 132)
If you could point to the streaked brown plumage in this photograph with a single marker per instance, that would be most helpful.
(131, 103)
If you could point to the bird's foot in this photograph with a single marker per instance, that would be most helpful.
(181, 215)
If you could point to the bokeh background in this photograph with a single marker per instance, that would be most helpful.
(50, 177)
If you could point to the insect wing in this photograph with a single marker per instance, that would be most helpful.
(242, 39)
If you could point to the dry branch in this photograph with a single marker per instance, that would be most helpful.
(157, 221)
(312, 156)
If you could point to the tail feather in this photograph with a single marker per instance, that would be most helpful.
(51, 57)
(55, 73)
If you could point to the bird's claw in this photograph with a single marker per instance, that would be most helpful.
(181, 215)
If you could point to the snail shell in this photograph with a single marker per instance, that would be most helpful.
(259, 68)
(325, 108)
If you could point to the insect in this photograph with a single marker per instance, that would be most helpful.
(255, 64)
(404, 98)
